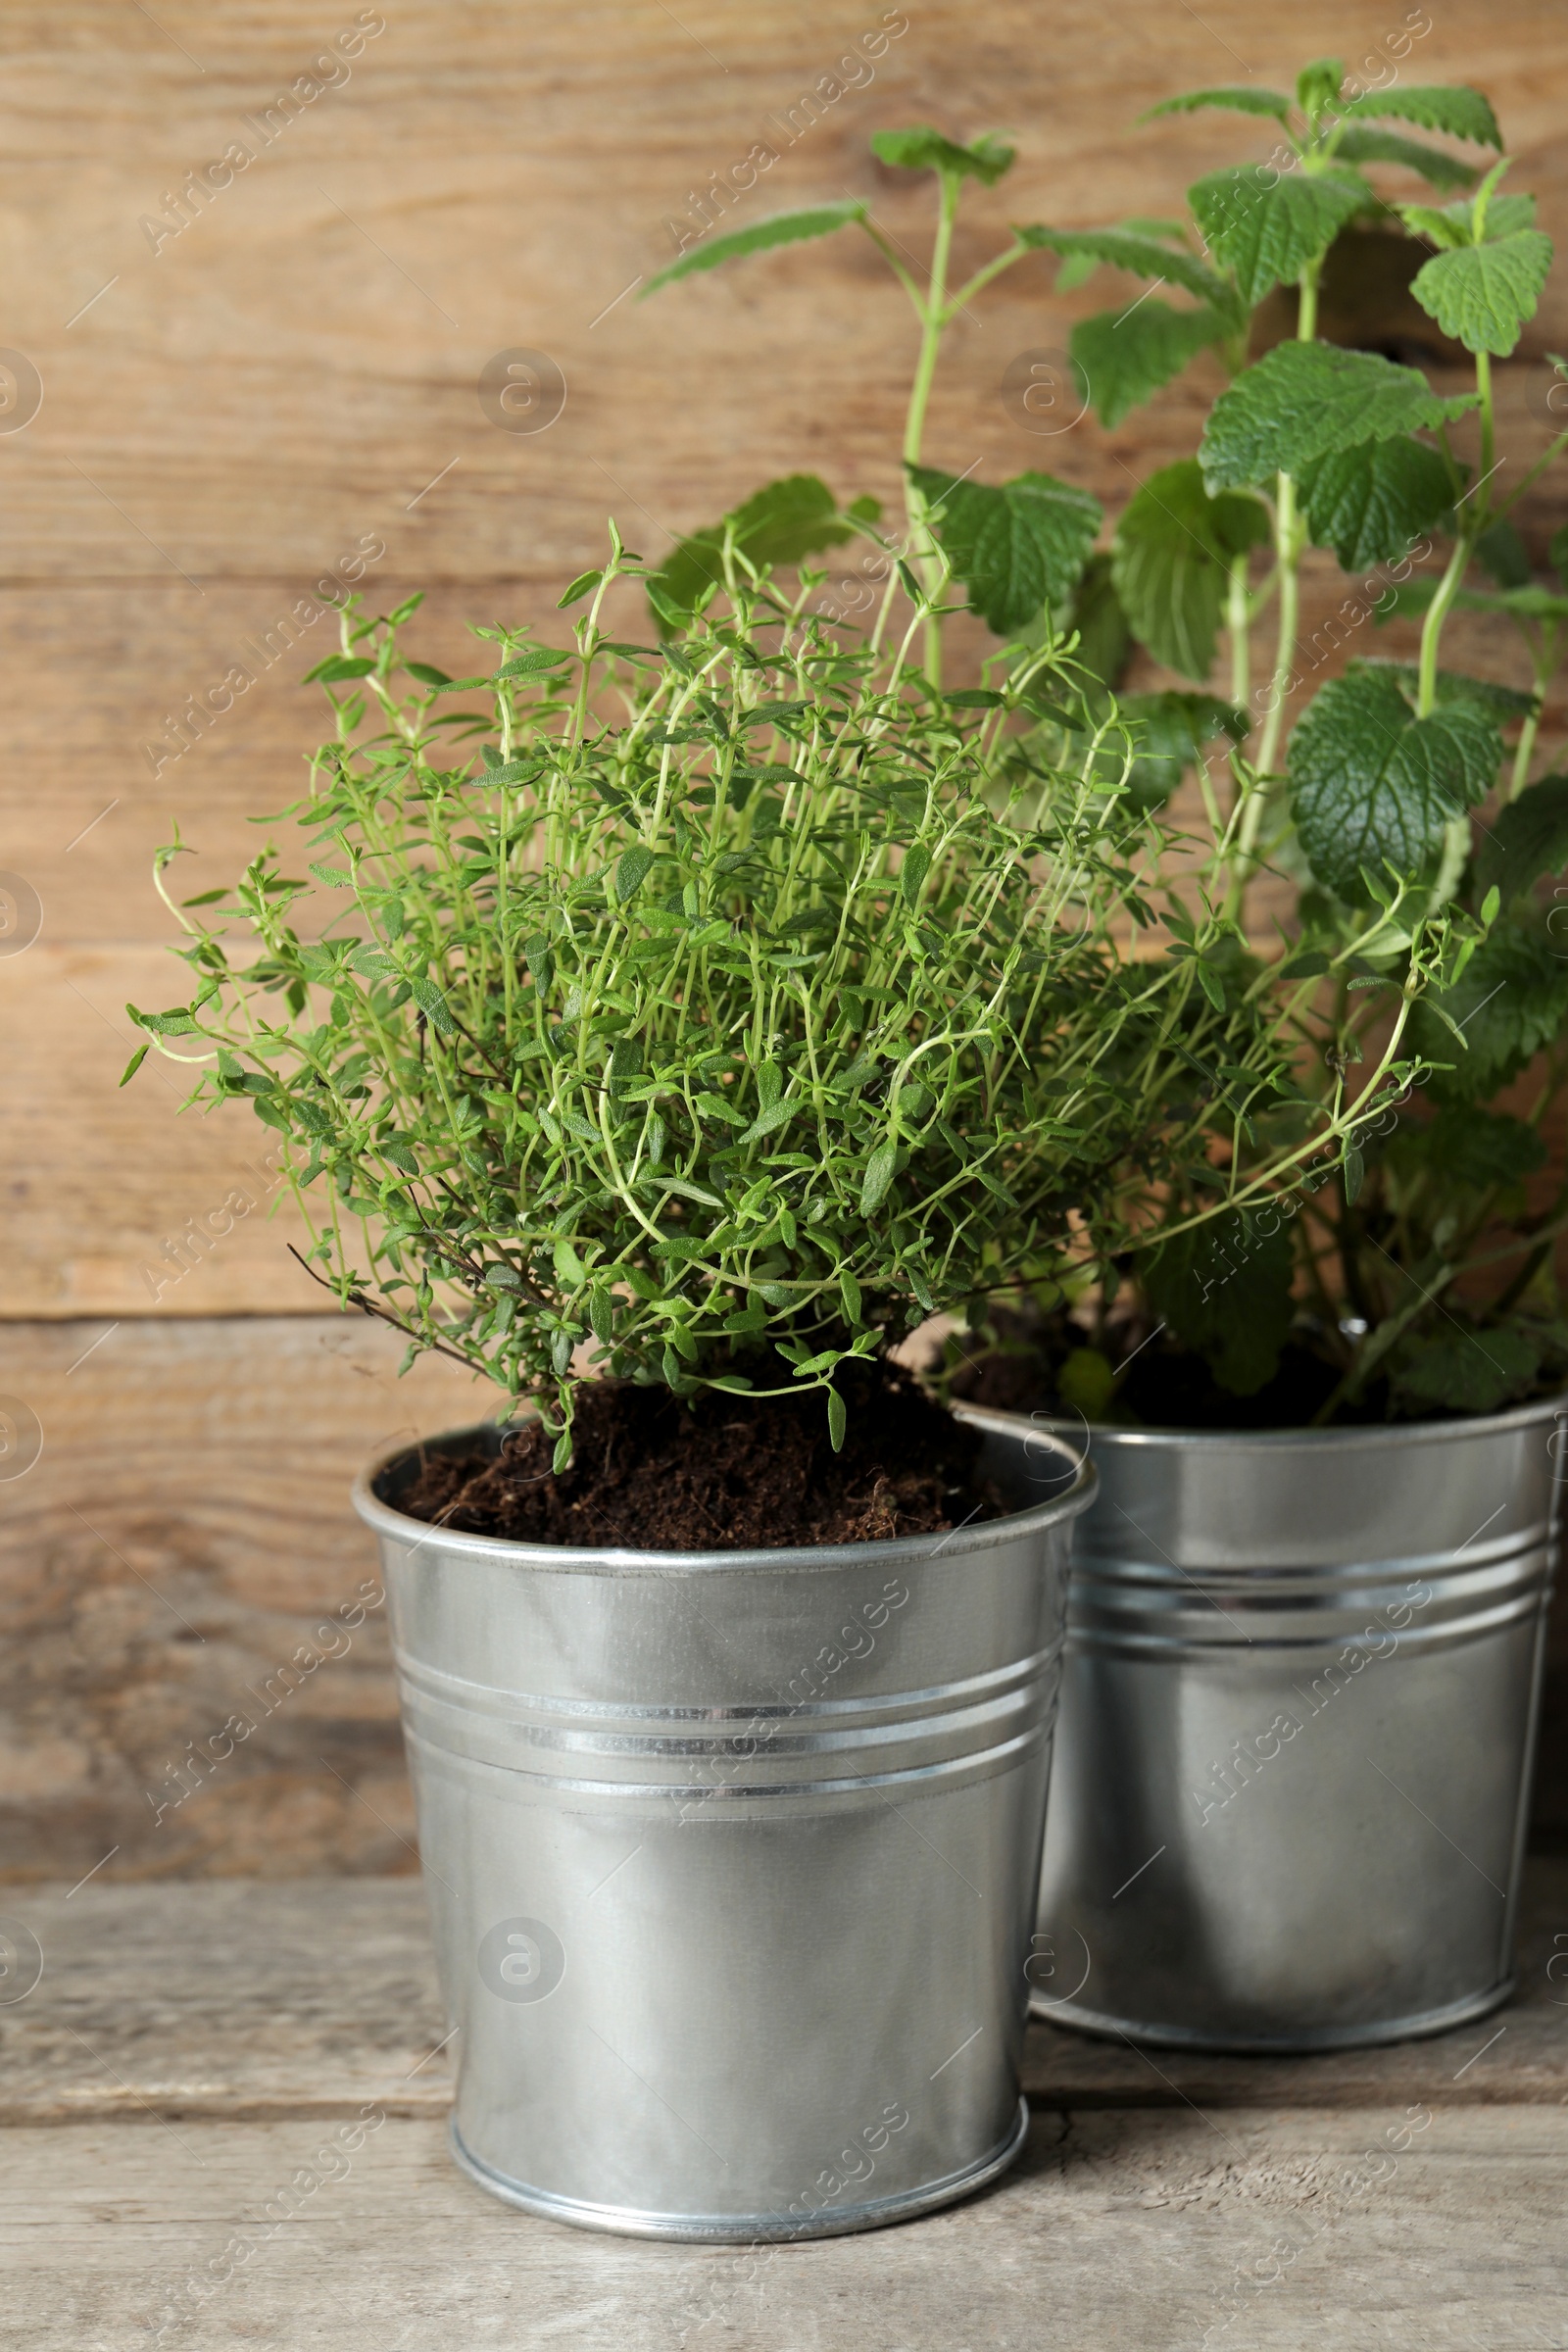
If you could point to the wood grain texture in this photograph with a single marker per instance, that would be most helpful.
(183, 1536)
(1283, 2229)
(235, 2001)
(294, 375)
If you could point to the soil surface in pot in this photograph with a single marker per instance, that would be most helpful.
(721, 1473)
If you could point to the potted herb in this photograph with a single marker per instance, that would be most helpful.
(1309, 1613)
(664, 1030)
(1323, 1415)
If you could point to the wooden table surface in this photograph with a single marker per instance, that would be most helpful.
(194, 2054)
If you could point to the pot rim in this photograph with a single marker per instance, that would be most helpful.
(1359, 1434)
(614, 1559)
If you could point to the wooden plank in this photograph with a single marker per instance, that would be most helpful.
(231, 2000)
(296, 368)
(1167, 2229)
(185, 1532)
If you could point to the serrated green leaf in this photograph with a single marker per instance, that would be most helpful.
(1371, 784)
(786, 519)
(1372, 502)
(1265, 226)
(1224, 1290)
(1122, 357)
(1235, 98)
(1467, 1371)
(778, 228)
(1500, 703)
(1170, 731)
(1526, 840)
(1171, 562)
(1438, 169)
(922, 149)
(1483, 294)
(1104, 639)
(1503, 553)
(1318, 85)
(1304, 401)
(1140, 256)
(1462, 112)
(1511, 1000)
(1016, 548)
(1465, 1145)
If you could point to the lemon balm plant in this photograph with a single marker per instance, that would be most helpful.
(1369, 809)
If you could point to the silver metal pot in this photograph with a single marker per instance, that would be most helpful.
(1298, 1723)
(732, 1855)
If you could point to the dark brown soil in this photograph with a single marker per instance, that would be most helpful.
(1163, 1386)
(719, 1474)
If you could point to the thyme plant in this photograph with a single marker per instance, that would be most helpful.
(712, 1012)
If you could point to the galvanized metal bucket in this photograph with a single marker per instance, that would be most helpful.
(732, 1856)
(1298, 1725)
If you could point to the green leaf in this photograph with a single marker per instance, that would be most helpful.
(1171, 562)
(1483, 294)
(922, 149)
(579, 588)
(1467, 1371)
(1511, 1000)
(1224, 1291)
(1318, 85)
(1307, 400)
(1017, 548)
(838, 1419)
(1104, 639)
(1122, 357)
(339, 668)
(778, 228)
(1500, 703)
(1265, 226)
(912, 873)
(427, 673)
(880, 1170)
(1526, 840)
(778, 524)
(1140, 256)
(1462, 112)
(1236, 98)
(1437, 168)
(1372, 785)
(849, 1293)
(1503, 553)
(1170, 732)
(433, 1004)
(135, 1062)
(1467, 1146)
(530, 663)
(632, 868)
(1372, 502)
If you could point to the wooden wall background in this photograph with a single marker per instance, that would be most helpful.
(230, 412)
